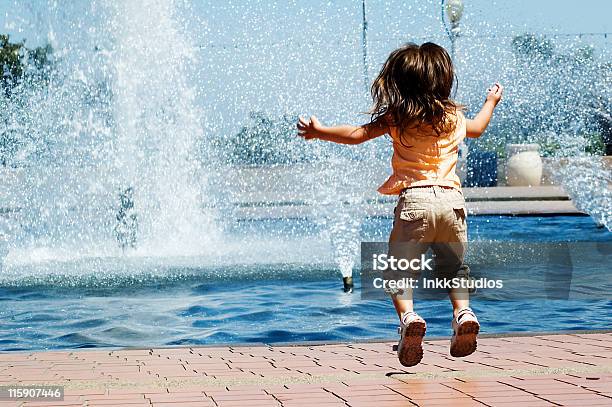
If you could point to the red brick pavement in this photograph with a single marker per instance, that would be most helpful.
(540, 370)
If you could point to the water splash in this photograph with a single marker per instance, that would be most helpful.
(157, 123)
(119, 114)
(586, 179)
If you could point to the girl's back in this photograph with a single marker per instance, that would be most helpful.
(421, 157)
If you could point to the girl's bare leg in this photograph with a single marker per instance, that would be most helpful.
(403, 303)
(402, 306)
(460, 300)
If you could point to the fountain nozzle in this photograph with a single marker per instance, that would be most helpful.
(348, 284)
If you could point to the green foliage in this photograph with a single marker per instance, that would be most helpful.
(267, 141)
(595, 144)
(19, 63)
(9, 146)
(20, 68)
(11, 55)
(549, 147)
(532, 46)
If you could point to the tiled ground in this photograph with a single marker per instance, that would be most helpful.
(544, 370)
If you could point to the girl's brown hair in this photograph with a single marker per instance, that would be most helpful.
(414, 88)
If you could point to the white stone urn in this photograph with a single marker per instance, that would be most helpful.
(523, 165)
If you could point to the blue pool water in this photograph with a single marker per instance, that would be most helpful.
(191, 302)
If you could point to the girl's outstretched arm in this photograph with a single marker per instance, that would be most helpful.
(477, 125)
(346, 134)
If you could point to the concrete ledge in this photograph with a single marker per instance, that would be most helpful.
(385, 210)
(511, 201)
(540, 193)
(523, 208)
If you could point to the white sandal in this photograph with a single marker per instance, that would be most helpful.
(465, 330)
(410, 346)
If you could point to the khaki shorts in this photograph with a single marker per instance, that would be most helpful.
(431, 218)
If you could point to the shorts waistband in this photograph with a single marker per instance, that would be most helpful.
(425, 187)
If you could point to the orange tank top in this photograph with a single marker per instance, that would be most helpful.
(422, 158)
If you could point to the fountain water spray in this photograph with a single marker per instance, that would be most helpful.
(158, 127)
(109, 148)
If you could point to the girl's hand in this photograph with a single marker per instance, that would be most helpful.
(477, 125)
(309, 129)
(494, 93)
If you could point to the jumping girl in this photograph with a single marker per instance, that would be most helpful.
(412, 104)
